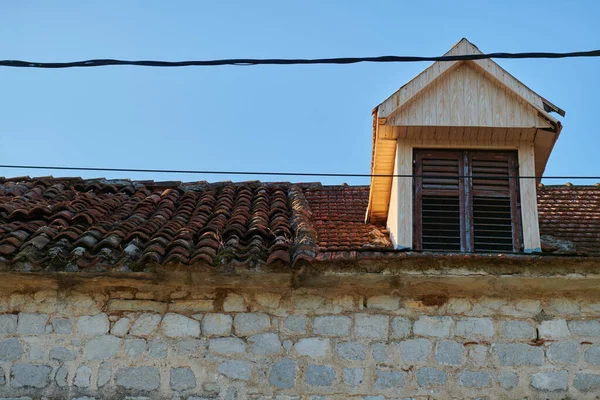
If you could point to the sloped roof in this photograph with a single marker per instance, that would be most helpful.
(71, 224)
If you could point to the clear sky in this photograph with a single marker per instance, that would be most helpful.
(265, 118)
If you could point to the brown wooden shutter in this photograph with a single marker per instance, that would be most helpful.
(466, 201)
(438, 200)
(495, 202)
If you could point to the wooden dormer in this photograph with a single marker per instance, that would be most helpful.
(464, 106)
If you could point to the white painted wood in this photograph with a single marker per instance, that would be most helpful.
(400, 213)
(528, 187)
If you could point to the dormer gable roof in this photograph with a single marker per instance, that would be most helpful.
(464, 99)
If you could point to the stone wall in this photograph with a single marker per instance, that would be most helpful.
(295, 344)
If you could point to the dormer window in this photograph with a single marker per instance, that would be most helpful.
(466, 201)
(458, 119)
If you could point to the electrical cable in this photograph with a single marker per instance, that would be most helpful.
(292, 61)
(314, 174)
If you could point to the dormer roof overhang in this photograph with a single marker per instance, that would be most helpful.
(410, 113)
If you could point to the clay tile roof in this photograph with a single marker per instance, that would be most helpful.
(571, 213)
(72, 224)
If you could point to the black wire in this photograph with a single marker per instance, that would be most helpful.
(325, 174)
(291, 61)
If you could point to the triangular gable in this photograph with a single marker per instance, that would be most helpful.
(488, 68)
(467, 97)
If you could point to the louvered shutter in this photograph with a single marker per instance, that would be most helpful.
(438, 198)
(494, 197)
(466, 201)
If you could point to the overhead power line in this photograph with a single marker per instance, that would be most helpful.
(315, 174)
(290, 61)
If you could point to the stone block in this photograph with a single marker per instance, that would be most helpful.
(295, 324)
(354, 376)
(564, 306)
(449, 353)
(234, 303)
(384, 302)
(93, 324)
(104, 374)
(62, 326)
(145, 324)
(518, 354)
(550, 381)
(371, 326)
(566, 352)
(319, 375)
(283, 374)
(379, 351)
(30, 376)
(475, 379)
(83, 377)
(137, 305)
(32, 324)
(389, 379)
(591, 355)
(474, 328)
(507, 380)
(157, 349)
(313, 347)
(518, 330)
(265, 344)
(477, 354)
(401, 327)
(121, 327)
(179, 326)
(586, 382)
(352, 351)
(10, 349)
(138, 378)
(102, 347)
(190, 347)
(182, 379)
(61, 376)
(585, 328)
(458, 305)
(187, 306)
(268, 300)
(332, 325)
(529, 306)
(134, 347)
(415, 350)
(427, 377)
(307, 302)
(234, 369)
(8, 324)
(226, 346)
(248, 324)
(217, 325)
(554, 329)
(433, 326)
(62, 354)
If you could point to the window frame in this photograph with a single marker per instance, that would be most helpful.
(466, 194)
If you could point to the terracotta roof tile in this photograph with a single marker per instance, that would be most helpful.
(571, 213)
(73, 224)
(339, 219)
(121, 223)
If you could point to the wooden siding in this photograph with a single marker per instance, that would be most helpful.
(466, 97)
(488, 67)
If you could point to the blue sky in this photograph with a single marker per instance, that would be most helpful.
(263, 118)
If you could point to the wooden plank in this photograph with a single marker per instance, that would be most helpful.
(528, 187)
(471, 114)
(456, 94)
